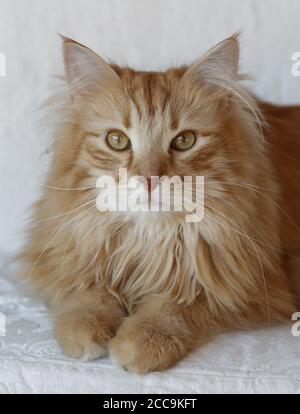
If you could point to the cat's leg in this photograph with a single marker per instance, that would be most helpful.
(159, 334)
(85, 321)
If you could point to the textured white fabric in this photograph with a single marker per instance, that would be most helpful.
(150, 34)
(265, 361)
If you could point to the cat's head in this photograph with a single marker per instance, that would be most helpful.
(190, 121)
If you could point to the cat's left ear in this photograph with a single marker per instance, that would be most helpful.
(82, 63)
(221, 63)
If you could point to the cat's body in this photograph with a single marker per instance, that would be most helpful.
(157, 285)
(284, 139)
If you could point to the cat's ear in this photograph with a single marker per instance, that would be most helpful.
(82, 63)
(219, 63)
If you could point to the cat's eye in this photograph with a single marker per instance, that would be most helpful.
(184, 141)
(118, 141)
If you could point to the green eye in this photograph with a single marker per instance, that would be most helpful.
(118, 141)
(184, 141)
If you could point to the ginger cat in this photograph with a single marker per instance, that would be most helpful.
(151, 287)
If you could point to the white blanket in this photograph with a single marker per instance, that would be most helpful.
(265, 361)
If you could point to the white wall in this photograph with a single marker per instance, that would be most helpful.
(151, 34)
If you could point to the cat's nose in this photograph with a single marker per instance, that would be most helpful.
(150, 183)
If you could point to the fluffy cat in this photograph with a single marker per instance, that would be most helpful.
(150, 287)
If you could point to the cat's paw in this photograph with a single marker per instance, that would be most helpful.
(82, 335)
(143, 347)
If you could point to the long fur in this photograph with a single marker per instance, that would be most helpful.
(191, 280)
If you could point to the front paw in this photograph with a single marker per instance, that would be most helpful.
(142, 347)
(82, 334)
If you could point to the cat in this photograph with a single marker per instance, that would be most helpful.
(150, 287)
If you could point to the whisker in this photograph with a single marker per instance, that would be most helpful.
(263, 243)
(268, 198)
(250, 185)
(68, 189)
(51, 240)
(64, 214)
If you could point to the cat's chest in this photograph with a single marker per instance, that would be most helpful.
(140, 263)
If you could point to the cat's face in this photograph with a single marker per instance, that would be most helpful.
(154, 125)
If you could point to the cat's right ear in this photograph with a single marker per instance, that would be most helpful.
(219, 66)
(81, 63)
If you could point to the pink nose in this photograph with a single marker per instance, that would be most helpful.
(150, 183)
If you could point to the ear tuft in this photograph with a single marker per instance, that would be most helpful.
(222, 61)
(81, 62)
